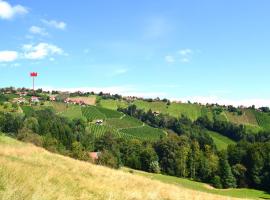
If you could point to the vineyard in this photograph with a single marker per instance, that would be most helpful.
(263, 120)
(125, 122)
(91, 113)
(145, 132)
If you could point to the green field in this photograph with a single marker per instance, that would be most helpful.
(91, 113)
(239, 193)
(125, 122)
(220, 141)
(72, 112)
(145, 132)
(112, 104)
(263, 120)
(192, 111)
(109, 113)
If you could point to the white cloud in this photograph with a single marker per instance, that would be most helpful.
(8, 56)
(184, 60)
(55, 24)
(38, 30)
(185, 52)
(41, 51)
(8, 11)
(169, 59)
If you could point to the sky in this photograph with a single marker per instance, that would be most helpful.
(203, 51)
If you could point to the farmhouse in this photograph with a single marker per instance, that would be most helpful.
(74, 101)
(34, 99)
(94, 156)
(52, 98)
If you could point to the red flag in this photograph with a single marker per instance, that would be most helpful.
(33, 74)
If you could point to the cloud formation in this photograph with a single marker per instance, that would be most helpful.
(185, 55)
(38, 30)
(8, 56)
(8, 11)
(55, 24)
(169, 59)
(41, 51)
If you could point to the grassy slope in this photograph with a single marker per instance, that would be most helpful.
(221, 141)
(239, 193)
(29, 172)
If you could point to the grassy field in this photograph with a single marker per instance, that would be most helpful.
(29, 172)
(239, 193)
(72, 112)
(109, 113)
(91, 113)
(125, 122)
(144, 132)
(246, 118)
(192, 111)
(220, 141)
(112, 104)
(263, 120)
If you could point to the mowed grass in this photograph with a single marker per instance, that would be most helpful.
(125, 122)
(112, 104)
(145, 132)
(220, 141)
(29, 172)
(198, 186)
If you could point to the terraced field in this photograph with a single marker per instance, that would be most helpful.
(145, 132)
(125, 122)
(99, 131)
(263, 119)
(109, 113)
(91, 113)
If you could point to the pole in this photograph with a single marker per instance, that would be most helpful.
(33, 84)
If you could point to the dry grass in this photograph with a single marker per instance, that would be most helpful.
(91, 100)
(29, 172)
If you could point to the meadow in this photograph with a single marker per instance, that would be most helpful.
(57, 177)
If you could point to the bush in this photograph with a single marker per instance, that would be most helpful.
(108, 159)
(216, 182)
(27, 135)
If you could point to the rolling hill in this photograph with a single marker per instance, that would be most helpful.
(29, 172)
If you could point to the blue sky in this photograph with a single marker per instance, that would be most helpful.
(207, 51)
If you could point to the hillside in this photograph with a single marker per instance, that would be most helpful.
(29, 172)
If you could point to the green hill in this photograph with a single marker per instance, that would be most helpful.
(29, 172)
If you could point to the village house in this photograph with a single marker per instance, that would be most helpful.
(34, 99)
(94, 155)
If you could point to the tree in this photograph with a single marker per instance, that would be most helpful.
(78, 151)
(108, 159)
(227, 178)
